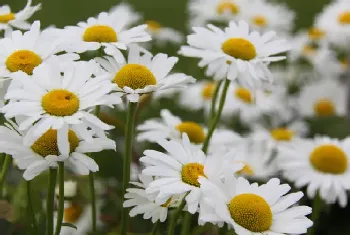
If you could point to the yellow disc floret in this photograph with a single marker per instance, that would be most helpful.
(6, 18)
(60, 102)
(153, 25)
(208, 91)
(344, 18)
(167, 203)
(72, 213)
(135, 76)
(194, 131)
(251, 211)
(100, 33)
(260, 20)
(239, 48)
(329, 159)
(324, 107)
(316, 33)
(23, 60)
(246, 170)
(244, 95)
(227, 6)
(47, 143)
(190, 173)
(282, 134)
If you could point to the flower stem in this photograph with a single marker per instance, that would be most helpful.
(130, 123)
(223, 230)
(61, 197)
(171, 228)
(93, 201)
(214, 99)
(50, 201)
(317, 205)
(31, 209)
(6, 166)
(216, 119)
(155, 228)
(186, 224)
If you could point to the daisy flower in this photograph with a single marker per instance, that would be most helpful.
(320, 164)
(38, 155)
(61, 100)
(179, 169)
(105, 30)
(25, 51)
(143, 203)
(253, 209)
(70, 189)
(142, 73)
(162, 35)
(125, 12)
(8, 19)
(235, 52)
(323, 98)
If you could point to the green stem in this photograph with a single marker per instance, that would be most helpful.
(216, 119)
(60, 197)
(171, 228)
(130, 123)
(93, 201)
(31, 209)
(223, 230)
(50, 201)
(317, 205)
(97, 111)
(5, 168)
(186, 224)
(155, 228)
(214, 99)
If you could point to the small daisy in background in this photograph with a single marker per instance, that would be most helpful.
(162, 35)
(9, 20)
(125, 12)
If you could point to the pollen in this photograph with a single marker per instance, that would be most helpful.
(227, 6)
(135, 76)
(72, 213)
(23, 60)
(260, 20)
(329, 159)
(191, 172)
(324, 107)
(208, 91)
(47, 143)
(239, 48)
(282, 134)
(194, 131)
(60, 102)
(316, 34)
(153, 25)
(167, 203)
(100, 33)
(344, 18)
(6, 18)
(251, 211)
(244, 95)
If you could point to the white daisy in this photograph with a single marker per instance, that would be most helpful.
(235, 53)
(252, 209)
(8, 19)
(145, 204)
(163, 35)
(323, 98)
(126, 13)
(70, 189)
(105, 30)
(50, 99)
(37, 155)
(320, 164)
(179, 169)
(142, 73)
(25, 51)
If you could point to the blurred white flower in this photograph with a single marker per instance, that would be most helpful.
(162, 35)
(70, 189)
(125, 12)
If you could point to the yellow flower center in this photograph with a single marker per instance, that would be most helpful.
(329, 158)
(100, 33)
(324, 107)
(167, 203)
(344, 18)
(260, 20)
(282, 134)
(244, 94)
(190, 173)
(246, 170)
(153, 25)
(135, 76)
(251, 211)
(23, 60)
(316, 33)
(72, 213)
(227, 6)
(344, 63)
(208, 91)
(194, 131)
(47, 143)
(60, 102)
(239, 48)
(309, 50)
(6, 18)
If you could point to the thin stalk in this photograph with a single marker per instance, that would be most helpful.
(223, 230)
(5, 168)
(317, 206)
(186, 224)
(61, 198)
(130, 123)
(214, 99)
(50, 201)
(155, 227)
(171, 228)
(216, 119)
(31, 208)
(93, 201)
